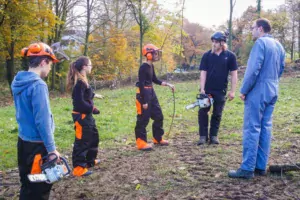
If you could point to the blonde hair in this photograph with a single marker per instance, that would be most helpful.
(74, 72)
(224, 46)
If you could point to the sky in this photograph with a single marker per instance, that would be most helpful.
(215, 12)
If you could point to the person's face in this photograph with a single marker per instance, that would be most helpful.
(88, 67)
(46, 68)
(216, 45)
(156, 55)
(256, 31)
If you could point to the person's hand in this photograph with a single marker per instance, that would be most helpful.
(242, 97)
(51, 157)
(171, 86)
(231, 95)
(202, 91)
(96, 111)
(99, 96)
(145, 106)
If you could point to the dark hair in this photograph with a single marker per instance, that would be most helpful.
(35, 61)
(74, 71)
(265, 24)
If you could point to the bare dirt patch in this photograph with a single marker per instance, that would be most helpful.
(179, 171)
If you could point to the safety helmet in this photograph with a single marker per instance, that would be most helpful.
(39, 49)
(219, 36)
(148, 51)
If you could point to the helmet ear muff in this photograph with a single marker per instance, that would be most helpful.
(149, 56)
(24, 52)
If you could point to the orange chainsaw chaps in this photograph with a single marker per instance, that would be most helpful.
(78, 130)
(36, 168)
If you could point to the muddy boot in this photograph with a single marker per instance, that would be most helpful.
(240, 173)
(260, 172)
(142, 145)
(214, 140)
(203, 140)
(162, 142)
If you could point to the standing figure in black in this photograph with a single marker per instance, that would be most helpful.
(215, 67)
(86, 142)
(147, 104)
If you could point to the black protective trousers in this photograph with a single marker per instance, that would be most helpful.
(218, 106)
(27, 153)
(143, 116)
(86, 143)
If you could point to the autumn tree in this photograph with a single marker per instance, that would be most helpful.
(21, 23)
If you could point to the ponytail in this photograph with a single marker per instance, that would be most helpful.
(74, 72)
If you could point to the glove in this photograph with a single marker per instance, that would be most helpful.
(96, 111)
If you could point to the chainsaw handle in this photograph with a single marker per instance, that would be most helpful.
(66, 164)
(45, 162)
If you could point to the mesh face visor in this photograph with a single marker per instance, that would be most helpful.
(157, 54)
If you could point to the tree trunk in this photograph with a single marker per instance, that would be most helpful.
(9, 71)
(258, 8)
(141, 31)
(10, 65)
(293, 40)
(88, 26)
(299, 30)
(53, 76)
(181, 35)
(284, 168)
(230, 25)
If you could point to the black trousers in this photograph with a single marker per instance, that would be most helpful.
(27, 152)
(143, 116)
(86, 143)
(218, 106)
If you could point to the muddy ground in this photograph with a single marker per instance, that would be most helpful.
(179, 171)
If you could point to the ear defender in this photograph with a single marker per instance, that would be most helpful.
(24, 52)
(149, 56)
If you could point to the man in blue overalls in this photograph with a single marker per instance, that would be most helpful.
(259, 91)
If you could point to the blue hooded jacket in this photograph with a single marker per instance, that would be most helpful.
(33, 114)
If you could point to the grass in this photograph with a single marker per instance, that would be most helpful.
(118, 116)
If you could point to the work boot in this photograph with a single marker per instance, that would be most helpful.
(96, 162)
(214, 140)
(240, 173)
(142, 145)
(81, 171)
(260, 172)
(162, 142)
(203, 140)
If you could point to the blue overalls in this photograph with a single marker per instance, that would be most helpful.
(260, 86)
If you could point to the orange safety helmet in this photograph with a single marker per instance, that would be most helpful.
(148, 49)
(39, 49)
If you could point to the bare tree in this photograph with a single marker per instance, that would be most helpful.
(258, 10)
(141, 20)
(232, 4)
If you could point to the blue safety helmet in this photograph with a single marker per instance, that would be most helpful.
(219, 36)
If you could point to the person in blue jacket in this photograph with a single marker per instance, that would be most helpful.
(259, 92)
(34, 118)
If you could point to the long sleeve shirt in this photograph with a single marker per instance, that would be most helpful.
(146, 77)
(82, 98)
